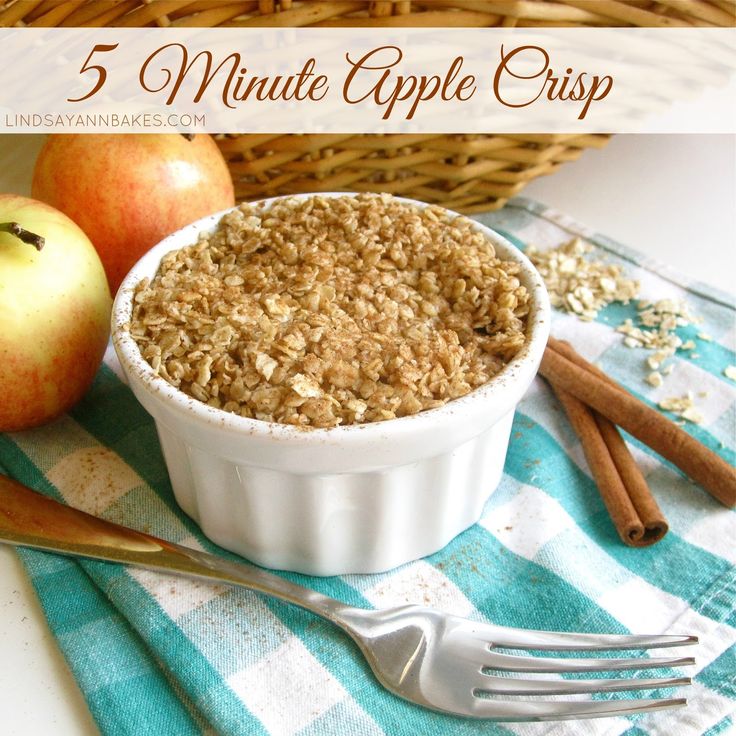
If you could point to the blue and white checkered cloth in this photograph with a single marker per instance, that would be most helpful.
(163, 655)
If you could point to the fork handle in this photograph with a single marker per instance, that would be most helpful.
(30, 519)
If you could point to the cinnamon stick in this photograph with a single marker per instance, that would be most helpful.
(612, 401)
(565, 348)
(625, 492)
(655, 525)
(613, 492)
(637, 488)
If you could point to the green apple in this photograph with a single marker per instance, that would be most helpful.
(128, 192)
(54, 312)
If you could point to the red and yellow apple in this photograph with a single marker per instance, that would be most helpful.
(54, 313)
(127, 192)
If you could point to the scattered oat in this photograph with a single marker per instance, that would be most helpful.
(705, 336)
(579, 285)
(656, 331)
(328, 311)
(655, 379)
(676, 403)
(730, 372)
(692, 415)
(582, 286)
(666, 313)
(683, 407)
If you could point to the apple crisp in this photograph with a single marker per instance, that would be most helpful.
(321, 312)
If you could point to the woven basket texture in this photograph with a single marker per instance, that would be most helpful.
(468, 173)
(460, 13)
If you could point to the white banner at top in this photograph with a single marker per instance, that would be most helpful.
(356, 80)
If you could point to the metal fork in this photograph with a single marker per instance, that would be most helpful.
(437, 660)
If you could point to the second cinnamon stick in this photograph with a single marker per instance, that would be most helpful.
(610, 484)
(701, 464)
(652, 519)
(647, 510)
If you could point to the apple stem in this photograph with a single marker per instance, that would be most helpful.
(25, 235)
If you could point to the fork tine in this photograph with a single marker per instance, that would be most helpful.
(502, 636)
(541, 710)
(514, 663)
(518, 686)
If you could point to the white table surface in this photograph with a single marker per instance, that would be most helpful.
(673, 197)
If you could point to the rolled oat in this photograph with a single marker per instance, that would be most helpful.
(578, 284)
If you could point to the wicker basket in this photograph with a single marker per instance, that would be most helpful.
(465, 172)
(457, 13)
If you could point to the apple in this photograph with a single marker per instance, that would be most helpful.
(128, 192)
(54, 312)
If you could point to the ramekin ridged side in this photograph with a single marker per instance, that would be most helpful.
(329, 524)
(355, 499)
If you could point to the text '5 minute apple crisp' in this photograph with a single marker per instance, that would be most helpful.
(319, 312)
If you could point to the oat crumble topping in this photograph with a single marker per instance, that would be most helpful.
(331, 311)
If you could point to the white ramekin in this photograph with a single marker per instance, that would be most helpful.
(355, 499)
